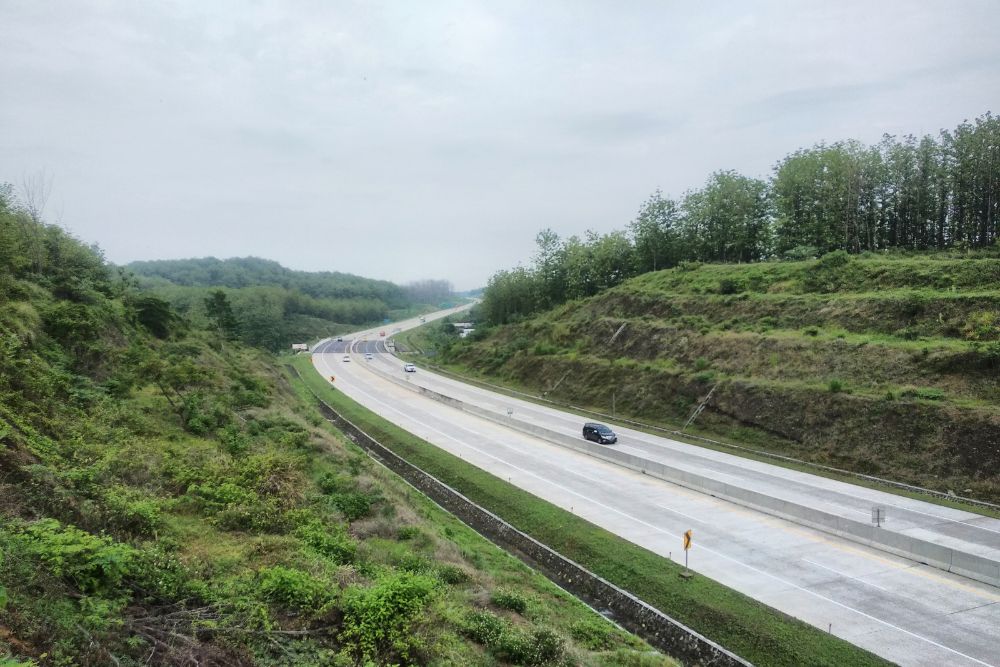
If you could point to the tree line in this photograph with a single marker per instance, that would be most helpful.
(935, 192)
(274, 305)
(241, 272)
(268, 305)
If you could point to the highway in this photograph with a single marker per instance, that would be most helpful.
(909, 613)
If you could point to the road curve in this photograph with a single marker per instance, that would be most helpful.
(906, 612)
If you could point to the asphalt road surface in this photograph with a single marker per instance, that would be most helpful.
(909, 613)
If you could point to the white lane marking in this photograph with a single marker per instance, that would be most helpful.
(844, 574)
(541, 413)
(614, 510)
(686, 516)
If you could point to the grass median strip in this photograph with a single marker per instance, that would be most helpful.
(747, 627)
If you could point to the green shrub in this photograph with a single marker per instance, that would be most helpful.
(811, 331)
(452, 574)
(593, 634)
(730, 286)
(509, 644)
(215, 497)
(132, 511)
(487, 628)
(380, 621)
(234, 441)
(834, 259)
(543, 349)
(95, 565)
(835, 386)
(265, 515)
(925, 393)
(354, 505)
(544, 647)
(982, 325)
(701, 363)
(330, 483)
(406, 533)
(332, 542)
(507, 598)
(294, 588)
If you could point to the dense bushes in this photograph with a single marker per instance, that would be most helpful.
(379, 620)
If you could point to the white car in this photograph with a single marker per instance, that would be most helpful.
(347, 357)
(409, 368)
(368, 356)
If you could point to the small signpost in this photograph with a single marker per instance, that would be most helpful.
(687, 547)
(878, 516)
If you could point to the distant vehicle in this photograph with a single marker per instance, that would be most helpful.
(599, 433)
(340, 339)
(409, 368)
(423, 319)
(347, 357)
(368, 356)
(381, 333)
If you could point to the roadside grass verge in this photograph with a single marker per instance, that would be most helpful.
(741, 624)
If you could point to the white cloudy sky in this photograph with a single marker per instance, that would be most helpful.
(405, 140)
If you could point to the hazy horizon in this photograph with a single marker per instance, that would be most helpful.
(403, 142)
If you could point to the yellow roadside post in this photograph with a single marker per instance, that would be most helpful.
(687, 547)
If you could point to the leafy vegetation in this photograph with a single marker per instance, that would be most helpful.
(880, 365)
(264, 304)
(508, 629)
(167, 497)
(902, 195)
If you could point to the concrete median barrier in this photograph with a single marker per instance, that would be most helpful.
(946, 558)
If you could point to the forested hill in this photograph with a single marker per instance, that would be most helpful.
(241, 272)
(273, 306)
(902, 195)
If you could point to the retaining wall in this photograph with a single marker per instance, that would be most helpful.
(660, 630)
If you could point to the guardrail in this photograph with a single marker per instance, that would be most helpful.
(657, 628)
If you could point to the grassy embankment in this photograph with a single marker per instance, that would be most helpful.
(743, 625)
(166, 498)
(270, 543)
(888, 367)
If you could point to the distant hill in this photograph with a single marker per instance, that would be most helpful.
(240, 272)
(274, 305)
(887, 366)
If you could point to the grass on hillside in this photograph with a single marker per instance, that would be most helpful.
(249, 533)
(749, 628)
(744, 442)
(887, 367)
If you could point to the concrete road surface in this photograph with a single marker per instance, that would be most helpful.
(908, 613)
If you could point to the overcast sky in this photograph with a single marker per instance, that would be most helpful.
(409, 140)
